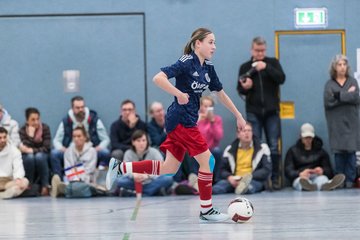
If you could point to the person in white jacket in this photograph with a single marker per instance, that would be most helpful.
(12, 174)
(10, 125)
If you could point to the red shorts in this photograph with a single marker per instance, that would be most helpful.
(183, 139)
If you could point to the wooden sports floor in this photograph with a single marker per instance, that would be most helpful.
(278, 215)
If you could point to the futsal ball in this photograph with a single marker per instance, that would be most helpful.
(240, 210)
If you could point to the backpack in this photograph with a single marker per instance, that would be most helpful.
(79, 189)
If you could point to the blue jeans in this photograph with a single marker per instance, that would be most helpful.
(318, 180)
(188, 165)
(103, 157)
(345, 163)
(224, 186)
(271, 125)
(57, 162)
(36, 165)
(149, 189)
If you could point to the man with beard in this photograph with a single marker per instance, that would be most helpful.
(79, 115)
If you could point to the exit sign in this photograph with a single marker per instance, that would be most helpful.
(311, 17)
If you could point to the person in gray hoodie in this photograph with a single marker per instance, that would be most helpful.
(341, 102)
(79, 161)
(10, 125)
(12, 174)
(140, 150)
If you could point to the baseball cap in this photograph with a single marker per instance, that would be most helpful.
(307, 130)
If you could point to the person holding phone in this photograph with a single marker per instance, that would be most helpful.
(259, 83)
(211, 127)
(307, 164)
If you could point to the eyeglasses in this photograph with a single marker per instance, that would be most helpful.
(127, 109)
(259, 50)
(244, 130)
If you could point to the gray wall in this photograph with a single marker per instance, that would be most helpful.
(109, 50)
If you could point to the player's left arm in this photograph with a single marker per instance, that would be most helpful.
(226, 101)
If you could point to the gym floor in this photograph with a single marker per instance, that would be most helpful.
(286, 214)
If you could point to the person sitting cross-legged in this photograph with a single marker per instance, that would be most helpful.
(150, 185)
(12, 174)
(80, 163)
(307, 164)
(246, 165)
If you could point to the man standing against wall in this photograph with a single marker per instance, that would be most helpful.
(259, 81)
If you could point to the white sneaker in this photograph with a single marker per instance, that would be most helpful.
(244, 183)
(10, 192)
(213, 215)
(193, 181)
(113, 173)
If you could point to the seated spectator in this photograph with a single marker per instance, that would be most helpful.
(80, 164)
(140, 150)
(211, 127)
(156, 126)
(79, 115)
(307, 164)
(156, 129)
(12, 174)
(35, 148)
(10, 125)
(122, 129)
(246, 165)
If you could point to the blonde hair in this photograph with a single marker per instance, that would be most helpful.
(199, 34)
(207, 98)
(335, 61)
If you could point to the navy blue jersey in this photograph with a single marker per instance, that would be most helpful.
(193, 79)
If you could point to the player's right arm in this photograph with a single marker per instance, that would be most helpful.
(162, 81)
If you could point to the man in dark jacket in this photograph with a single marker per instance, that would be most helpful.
(246, 165)
(307, 164)
(122, 129)
(259, 81)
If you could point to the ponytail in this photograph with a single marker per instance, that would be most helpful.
(188, 48)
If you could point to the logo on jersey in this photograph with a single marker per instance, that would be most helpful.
(207, 77)
(186, 57)
(195, 74)
(199, 87)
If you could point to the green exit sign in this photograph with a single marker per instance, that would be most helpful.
(311, 17)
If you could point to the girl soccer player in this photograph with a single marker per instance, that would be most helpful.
(194, 73)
